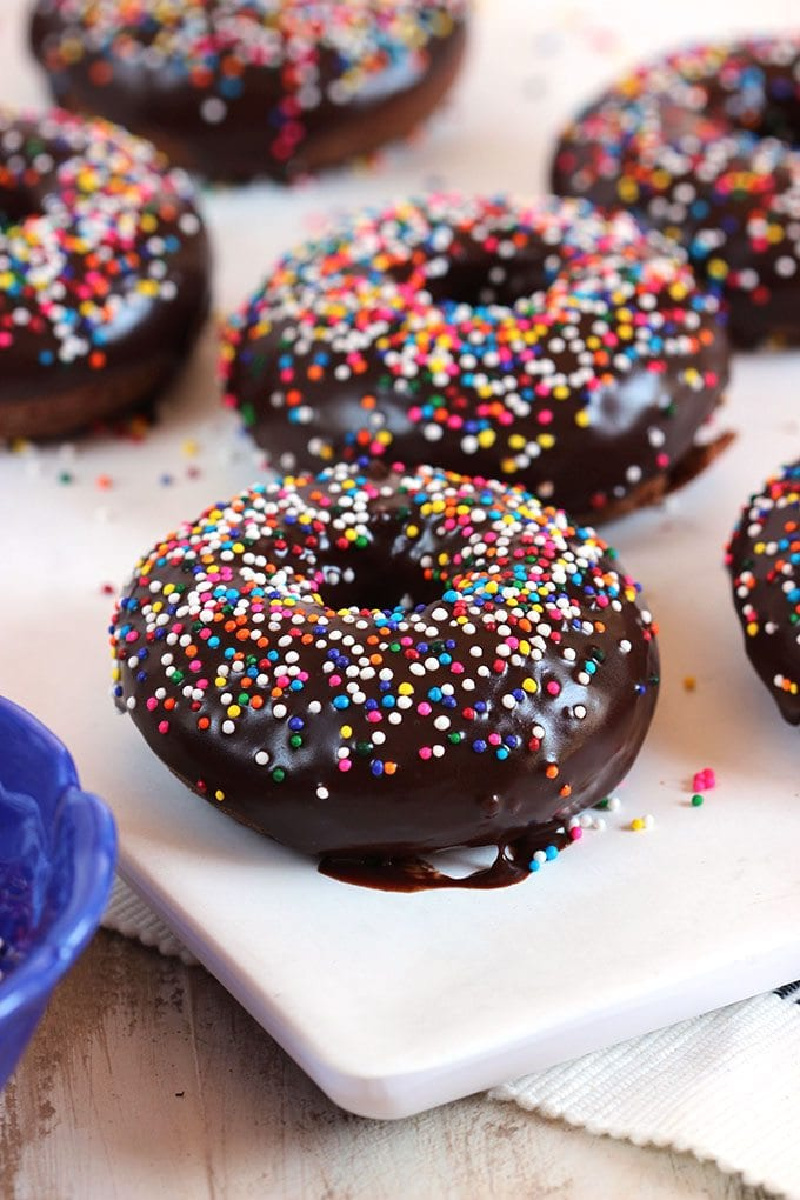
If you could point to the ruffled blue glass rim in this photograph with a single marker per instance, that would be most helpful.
(75, 858)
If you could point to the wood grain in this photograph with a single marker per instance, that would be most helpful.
(147, 1078)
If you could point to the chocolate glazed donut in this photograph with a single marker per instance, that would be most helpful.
(538, 343)
(103, 272)
(763, 556)
(234, 89)
(371, 666)
(705, 145)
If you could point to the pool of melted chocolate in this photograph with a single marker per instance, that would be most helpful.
(512, 864)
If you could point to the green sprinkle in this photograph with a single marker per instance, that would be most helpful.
(278, 775)
(697, 800)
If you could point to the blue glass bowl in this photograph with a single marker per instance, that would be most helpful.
(57, 853)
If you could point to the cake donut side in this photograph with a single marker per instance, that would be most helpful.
(539, 343)
(103, 272)
(234, 90)
(703, 145)
(373, 665)
(762, 557)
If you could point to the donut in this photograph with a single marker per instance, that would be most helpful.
(103, 272)
(762, 557)
(373, 663)
(236, 89)
(703, 145)
(542, 344)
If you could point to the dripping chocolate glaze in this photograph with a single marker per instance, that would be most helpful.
(512, 864)
(264, 652)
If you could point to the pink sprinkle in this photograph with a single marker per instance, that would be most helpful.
(553, 688)
(576, 833)
(345, 764)
(151, 703)
(163, 726)
(425, 752)
(703, 781)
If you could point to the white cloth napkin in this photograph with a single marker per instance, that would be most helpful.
(724, 1086)
(128, 914)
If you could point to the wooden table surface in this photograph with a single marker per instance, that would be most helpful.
(146, 1078)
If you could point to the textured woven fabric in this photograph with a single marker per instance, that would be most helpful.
(725, 1086)
(128, 914)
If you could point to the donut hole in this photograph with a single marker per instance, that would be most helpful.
(778, 121)
(386, 586)
(489, 279)
(16, 205)
(768, 108)
(782, 122)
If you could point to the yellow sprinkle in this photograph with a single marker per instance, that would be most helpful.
(628, 190)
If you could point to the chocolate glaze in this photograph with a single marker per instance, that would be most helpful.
(544, 345)
(233, 89)
(382, 664)
(104, 277)
(511, 865)
(763, 556)
(704, 144)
